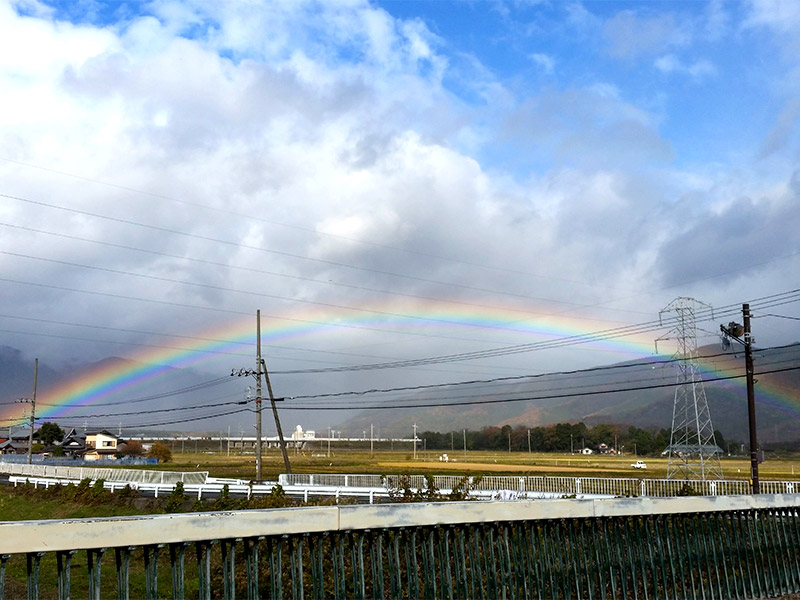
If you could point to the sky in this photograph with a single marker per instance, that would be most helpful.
(390, 181)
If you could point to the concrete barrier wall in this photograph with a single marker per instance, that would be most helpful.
(79, 534)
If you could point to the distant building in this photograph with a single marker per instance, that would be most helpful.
(299, 434)
(101, 444)
(16, 442)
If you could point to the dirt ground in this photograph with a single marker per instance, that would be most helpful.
(485, 467)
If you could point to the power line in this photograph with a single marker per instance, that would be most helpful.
(527, 398)
(156, 411)
(309, 279)
(607, 334)
(262, 249)
(178, 421)
(258, 294)
(778, 316)
(315, 232)
(517, 378)
(560, 385)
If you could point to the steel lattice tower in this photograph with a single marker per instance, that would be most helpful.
(693, 452)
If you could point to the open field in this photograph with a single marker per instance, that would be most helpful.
(358, 460)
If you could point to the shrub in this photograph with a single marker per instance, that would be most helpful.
(160, 451)
(176, 499)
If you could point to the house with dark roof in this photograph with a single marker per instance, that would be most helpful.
(74, 443)
(15, 442)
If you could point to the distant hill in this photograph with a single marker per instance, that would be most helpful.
(149, 404)
(586, 397)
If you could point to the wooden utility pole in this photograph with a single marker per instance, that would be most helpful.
(734, 330)
(751, 400)
(33, 410)
(258, 396)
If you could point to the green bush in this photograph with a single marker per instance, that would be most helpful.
(176, 499)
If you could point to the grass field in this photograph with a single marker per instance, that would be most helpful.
(359, 460)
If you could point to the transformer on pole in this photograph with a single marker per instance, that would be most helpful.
(693, 451)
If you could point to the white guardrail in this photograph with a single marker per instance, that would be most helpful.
(371, 487)
(213, 488)
(594, 486)
(60, 535)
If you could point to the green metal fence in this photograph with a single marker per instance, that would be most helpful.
(742, 547)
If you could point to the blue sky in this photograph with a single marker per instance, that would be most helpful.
(582, 160)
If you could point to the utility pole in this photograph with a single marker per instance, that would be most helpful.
(529, 441)
(465, 443)
(370, 440)
(261, 368)
(33, 409)
(734, 330)
(415, 441)
(258, 396)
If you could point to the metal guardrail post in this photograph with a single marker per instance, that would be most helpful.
(203, 552)
(3, 560)
(33, 559)
(228, 568)
(94, 559)
(177, 559)
(122, 557)
(151, 571)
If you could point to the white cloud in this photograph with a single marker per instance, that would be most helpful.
(700, 69)
(783, 15)
(631, 36)
(545, 62)
(328, 131)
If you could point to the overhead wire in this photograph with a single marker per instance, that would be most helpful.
(316, 232)
(260, 248)
(298, 277)
(490, 401)
(518, 378)
(613, 333)
(217, 288)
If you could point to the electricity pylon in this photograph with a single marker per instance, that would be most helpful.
(693, 451)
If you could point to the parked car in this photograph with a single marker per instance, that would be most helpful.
(639, 464)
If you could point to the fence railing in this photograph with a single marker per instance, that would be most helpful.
(593, 486)
(709, 547)
(38, 459)
(126, 475)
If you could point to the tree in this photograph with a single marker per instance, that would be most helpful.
(49, 433)
(160, 451)
(132, 448)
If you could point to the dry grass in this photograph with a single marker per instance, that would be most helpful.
(385, 461)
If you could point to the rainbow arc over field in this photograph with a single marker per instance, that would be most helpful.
(237, 338)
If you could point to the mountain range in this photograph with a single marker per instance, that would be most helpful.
(596, 396)
(639, 393)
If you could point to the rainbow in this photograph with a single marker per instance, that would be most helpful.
(237, 338)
